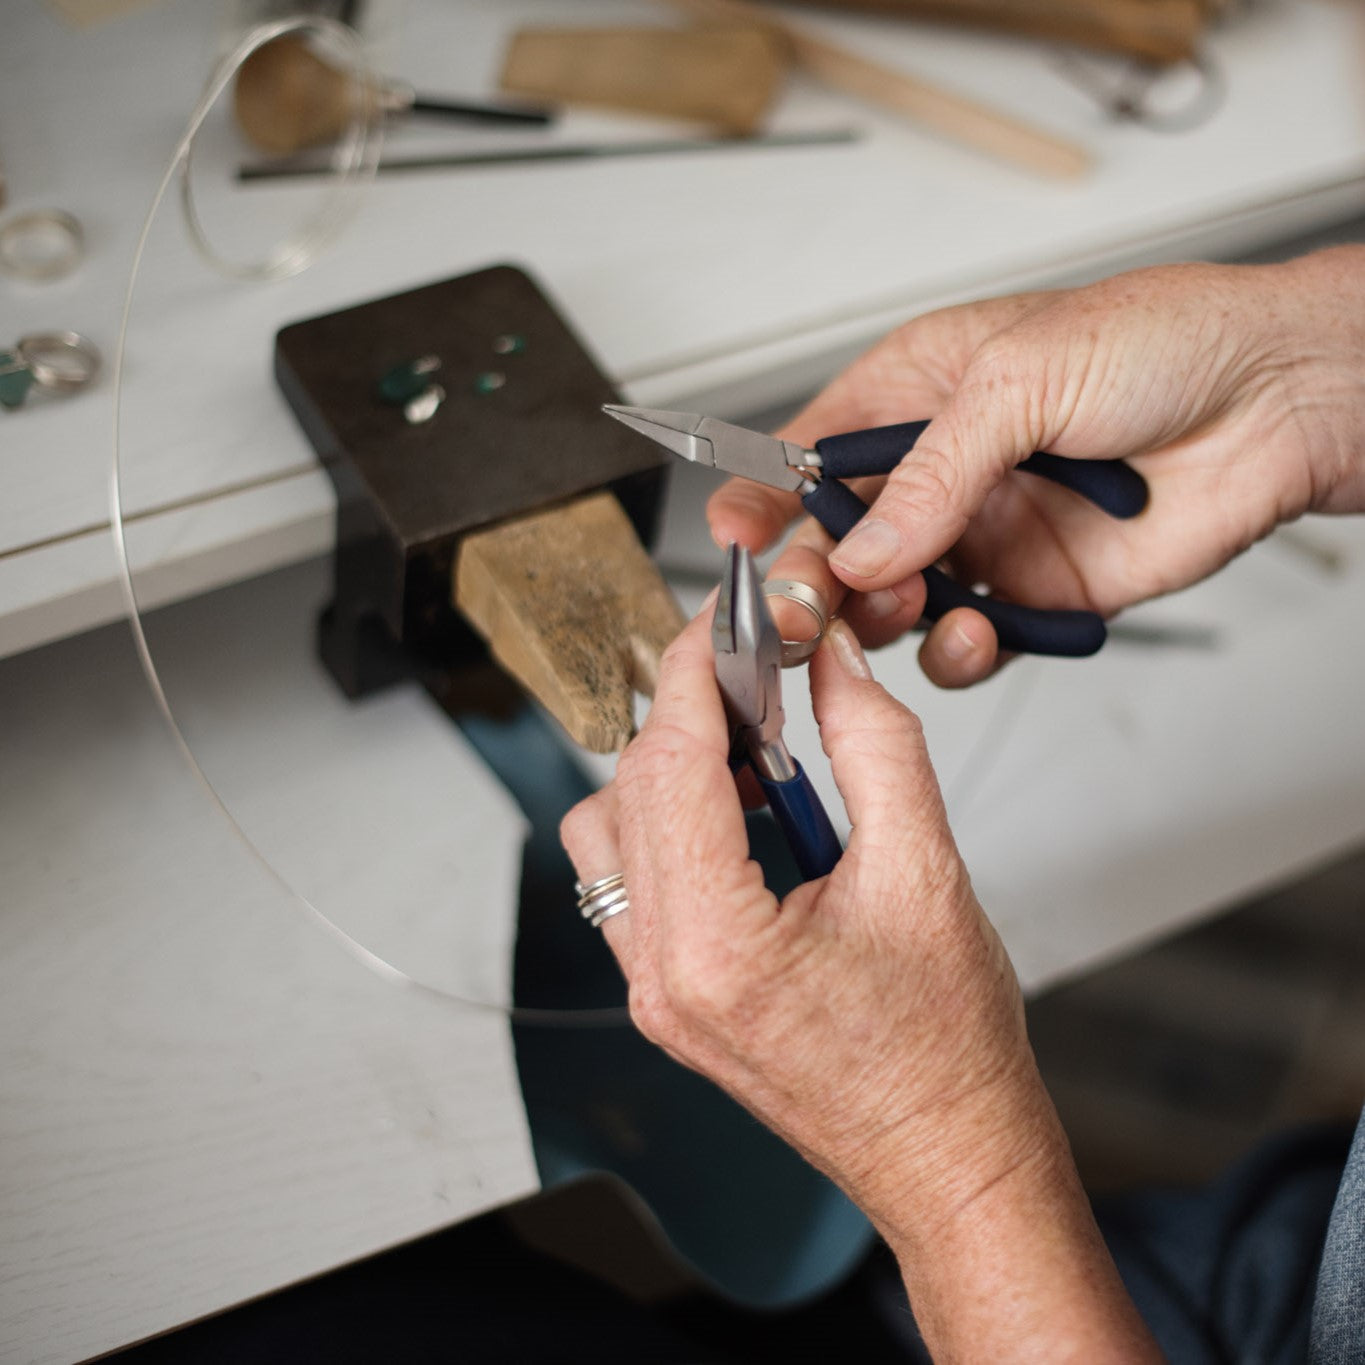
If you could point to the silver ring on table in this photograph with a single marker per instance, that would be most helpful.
(44, 244)
(798, 651)
(61, 361)
(602, 899)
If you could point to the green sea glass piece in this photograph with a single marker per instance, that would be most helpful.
(16, 379)
(404, 382)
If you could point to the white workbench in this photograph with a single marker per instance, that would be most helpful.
(203, 1098)
(732, 281)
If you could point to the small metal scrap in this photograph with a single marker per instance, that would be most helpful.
(423, 407)
(410, 387)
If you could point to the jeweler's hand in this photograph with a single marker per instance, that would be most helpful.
(872, 1018)
(1237, 391)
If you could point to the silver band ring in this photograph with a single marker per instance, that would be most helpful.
(602, 916)
(602, 899)
(798, 651)
(60, 361)
(45, 244)
(607, 883)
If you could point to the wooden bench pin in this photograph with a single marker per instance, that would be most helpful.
(482, 497)
(574, 608)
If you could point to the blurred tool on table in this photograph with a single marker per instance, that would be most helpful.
(1155, 30)
(723, 72)
(966, 121)
(287, 97)
(724, 75)
(290, 168)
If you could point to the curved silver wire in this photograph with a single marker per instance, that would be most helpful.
(213, 91)
(355, 159)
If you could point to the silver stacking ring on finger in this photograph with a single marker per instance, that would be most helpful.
(798, 651)
(600, 900)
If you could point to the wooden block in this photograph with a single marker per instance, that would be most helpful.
(725, 75)
(573, 607)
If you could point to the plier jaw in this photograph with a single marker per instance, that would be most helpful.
(748, 650)
(724, 446)
(749, 673)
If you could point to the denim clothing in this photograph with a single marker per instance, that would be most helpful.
(1338, 1334)
(1226, 1274)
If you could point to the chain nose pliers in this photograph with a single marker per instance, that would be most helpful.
(1113, 486)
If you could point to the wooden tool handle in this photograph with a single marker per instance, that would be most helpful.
(1156, 30)
(574, 608)
(723, 76)
(287, 98)
(955, 116)
(962, 119)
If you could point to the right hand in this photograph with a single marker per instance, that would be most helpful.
(1237, 391)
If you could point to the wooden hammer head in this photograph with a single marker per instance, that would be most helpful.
(286, 97)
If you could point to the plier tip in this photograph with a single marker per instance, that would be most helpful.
(748, 647)
(675, 431)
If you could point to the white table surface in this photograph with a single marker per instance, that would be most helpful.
(204, 1098)
(727, 281)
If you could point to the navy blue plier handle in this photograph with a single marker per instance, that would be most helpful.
(749, 675)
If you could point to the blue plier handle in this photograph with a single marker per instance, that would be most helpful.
(816, 475)
(1112, 485)
(804, 823)
(749, 674)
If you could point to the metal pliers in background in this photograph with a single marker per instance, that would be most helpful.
(749, 673)
(1112, 485)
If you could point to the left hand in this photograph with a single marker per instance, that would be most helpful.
(872, 1018)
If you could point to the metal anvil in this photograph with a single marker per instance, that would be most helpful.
(432, 507)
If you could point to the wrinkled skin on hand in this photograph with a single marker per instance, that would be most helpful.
(872, 1017)
(863, 1005)
(1237, 391)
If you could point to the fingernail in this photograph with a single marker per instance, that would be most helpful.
(840, 638)
(868, 548)
(708, 601)
(881, 604)
(957, 644)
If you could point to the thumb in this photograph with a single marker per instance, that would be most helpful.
(938, 487)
